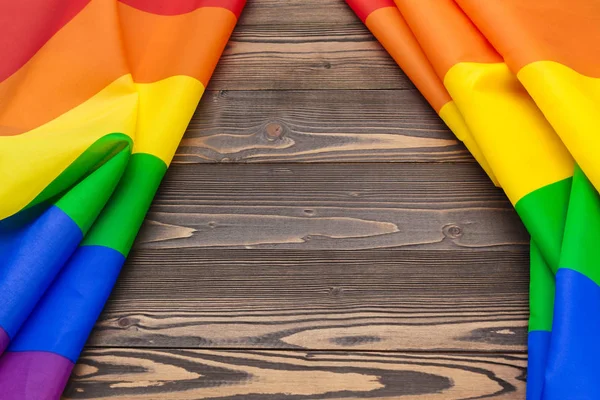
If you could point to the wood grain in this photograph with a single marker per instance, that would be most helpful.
(330, 206)
(317, 126)
(289, 45)
(258, 375)
(346, 300)
(297, 13)
(270, 269)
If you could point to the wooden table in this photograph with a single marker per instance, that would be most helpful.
(320, 235)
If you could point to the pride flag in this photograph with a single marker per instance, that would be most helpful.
(524, 77)
(550, 47)
(389, 27)
(95, 95)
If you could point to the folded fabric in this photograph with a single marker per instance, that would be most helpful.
(521, 74)
(389, 27)
(96, 96)
(548, 46)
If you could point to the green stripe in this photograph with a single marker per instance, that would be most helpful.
(541, 292)
(121, 219)
(85, 200)
(544, 212)
(581, 247)
(93, 158)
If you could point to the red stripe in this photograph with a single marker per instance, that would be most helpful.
(175, 7)
(363, 8)
(26, 25)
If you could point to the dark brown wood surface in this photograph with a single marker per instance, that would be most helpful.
(320, 235)
(304, 44)
(116, 373)
(317, 126)
(389, 299)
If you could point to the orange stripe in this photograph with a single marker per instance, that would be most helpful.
(175, 7)
(33, 22)
(525, 31)
(161, 46)
(446, 34)
(393, 33)
(79, 61)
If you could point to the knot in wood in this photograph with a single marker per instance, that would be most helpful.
(453, 231)
(274, 131)
(126, 322)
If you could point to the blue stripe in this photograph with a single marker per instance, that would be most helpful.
(537, 344)
(574, 357)
(64, 318)
(30, 257)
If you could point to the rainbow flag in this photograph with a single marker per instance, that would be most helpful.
(95, 95)
(386, 23)
(549, 47)
(523, 77)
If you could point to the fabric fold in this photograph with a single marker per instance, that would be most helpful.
(523, 78)
(108, 139)
(387, 24)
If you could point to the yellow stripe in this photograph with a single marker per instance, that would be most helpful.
(454, 120)
(165, 110)
(30, 161)
(522, 148)
(571, 102)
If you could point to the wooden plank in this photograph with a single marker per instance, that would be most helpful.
(288, 45)
(346, 300)
(265, 375)
(330, 206)
(316, 126)
(279, 15)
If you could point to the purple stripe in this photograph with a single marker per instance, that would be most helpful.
(4, 340)
(34, 375)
